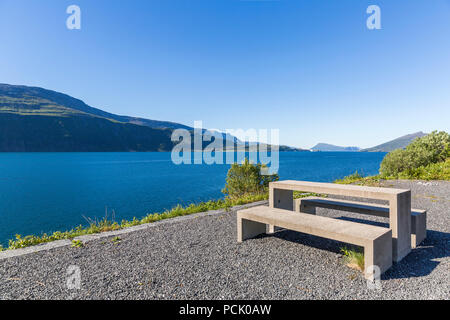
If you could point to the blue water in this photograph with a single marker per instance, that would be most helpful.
(44, 192)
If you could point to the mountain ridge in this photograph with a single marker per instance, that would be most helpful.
(330, 147)
(66, 100)
(398, 143)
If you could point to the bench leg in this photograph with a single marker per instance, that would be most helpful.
(270, 229)
(378, 254)
(247, 229)
(302, 206)
(418, 229)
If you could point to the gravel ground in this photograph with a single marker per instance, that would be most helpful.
(199, 258)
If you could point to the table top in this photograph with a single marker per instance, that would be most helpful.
(338, 189)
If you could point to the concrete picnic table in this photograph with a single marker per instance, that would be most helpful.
(281, 196)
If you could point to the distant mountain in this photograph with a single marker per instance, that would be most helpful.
(246, 147)
(37, 119)
(288, 148)
(399, 143)
(330, 147)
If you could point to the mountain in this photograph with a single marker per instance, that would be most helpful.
(34, 100)
(36, 119)
(289, 149)
(330, 147)
(398, 143)
(245, 147)
(30, 133)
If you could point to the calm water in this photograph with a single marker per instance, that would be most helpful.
(44, 192)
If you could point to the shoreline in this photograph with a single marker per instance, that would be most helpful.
(114, 227)
(9, 253)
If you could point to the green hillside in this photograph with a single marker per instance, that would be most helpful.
(35, 119)
(56, 133)
(38, 101)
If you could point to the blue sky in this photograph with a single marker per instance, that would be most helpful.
(309, 68)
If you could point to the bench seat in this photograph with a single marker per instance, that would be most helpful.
(418, 216)
(377, 241)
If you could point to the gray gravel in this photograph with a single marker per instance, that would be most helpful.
(198, 258)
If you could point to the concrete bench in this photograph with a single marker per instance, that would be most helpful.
(418, 216)
(377, 241)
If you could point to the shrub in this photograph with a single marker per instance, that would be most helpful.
(246, 179)
(430, 149)
(434, 171)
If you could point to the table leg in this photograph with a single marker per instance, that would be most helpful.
(400, 223)
(282, 199)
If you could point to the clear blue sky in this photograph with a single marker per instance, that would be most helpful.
(310, 68)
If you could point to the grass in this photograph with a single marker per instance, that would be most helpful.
(116, 240)
(28, 105)
(353, 258)
(299, 194)
(434, 171)
(105, 224)
(77, 244)
(357, 179)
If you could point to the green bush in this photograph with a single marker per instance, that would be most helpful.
(422, 152)
(434, 171)
(246, 179)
